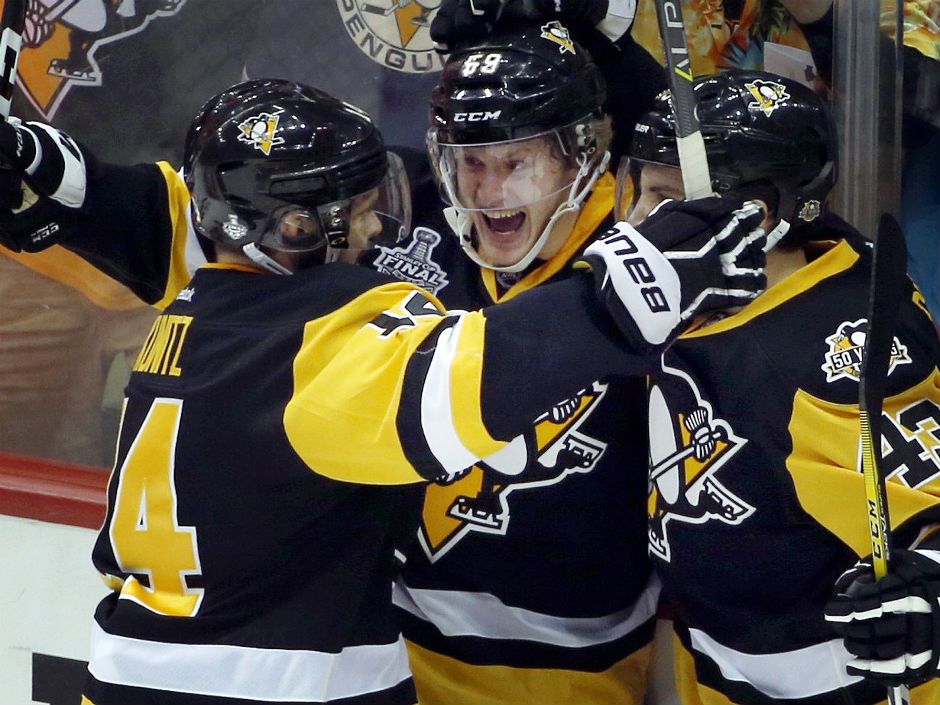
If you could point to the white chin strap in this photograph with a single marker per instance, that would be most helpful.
(461, 222)
(264, 261)
(776, 235)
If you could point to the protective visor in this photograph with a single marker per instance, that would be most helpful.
(505, 175)
(379, 216)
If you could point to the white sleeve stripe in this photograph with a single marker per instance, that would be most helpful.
(37, 157)
(437, 419)
(693, 307)
(71, 189)
(930, 553)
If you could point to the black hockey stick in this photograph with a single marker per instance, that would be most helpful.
(888, 279)
(691, 146)
(12, 22)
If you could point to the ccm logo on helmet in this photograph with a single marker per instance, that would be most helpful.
(477, 117)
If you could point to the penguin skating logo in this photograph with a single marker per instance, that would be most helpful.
(478, 500)
(261, 132)
(393, 33)
(60, 39)
(768, 95)
(689, 446)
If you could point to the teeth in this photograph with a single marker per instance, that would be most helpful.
(495, 215)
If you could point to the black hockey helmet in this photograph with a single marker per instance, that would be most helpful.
(521, 81)
(276, 165)
(526, 81)
(760, 130)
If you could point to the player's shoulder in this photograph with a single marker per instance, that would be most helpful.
(230, 295)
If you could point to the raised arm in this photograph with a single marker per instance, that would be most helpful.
(130, 222)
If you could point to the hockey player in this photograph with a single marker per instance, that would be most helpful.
(756, 504)
(276, 427)
(535, 589)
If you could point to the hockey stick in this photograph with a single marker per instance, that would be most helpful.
(671, 461)
(12, 22)
(691, 146)
(888, 277)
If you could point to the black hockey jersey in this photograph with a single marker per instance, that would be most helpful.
(265, 481)
(756, 503)
(535, 588)
(549, 527)
(239, 571)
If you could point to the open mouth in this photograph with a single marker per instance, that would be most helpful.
(504, 222)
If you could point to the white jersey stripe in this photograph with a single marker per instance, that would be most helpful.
(268, 675)
(802, 673)
(437, 417)
(480, 614)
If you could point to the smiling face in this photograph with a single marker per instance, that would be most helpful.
(511, 190)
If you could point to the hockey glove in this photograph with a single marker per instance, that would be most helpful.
(892, 625)
(42, 176)
(461, 22)
(686, 258)
(588, 11)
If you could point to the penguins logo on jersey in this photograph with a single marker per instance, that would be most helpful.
(768, 95)
(687, 451)
(393, 33)
(844, 357)
(479, 500)
(413, 263)
(556, 32)
(260, 131)
(60, 39)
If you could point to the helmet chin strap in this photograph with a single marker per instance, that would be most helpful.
(776, 235)
(462, 224)
(263, 260)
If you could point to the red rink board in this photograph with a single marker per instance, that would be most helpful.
(52, 491)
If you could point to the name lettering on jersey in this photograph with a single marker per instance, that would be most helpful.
(768, 96)
(260, 131)
(910, 443)
(688, 448)
(413, 262)
(160, 354)
(844, 357)
(556, 32)
(417, 305)
(61, 37)
(393, 33)
(478, 501)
